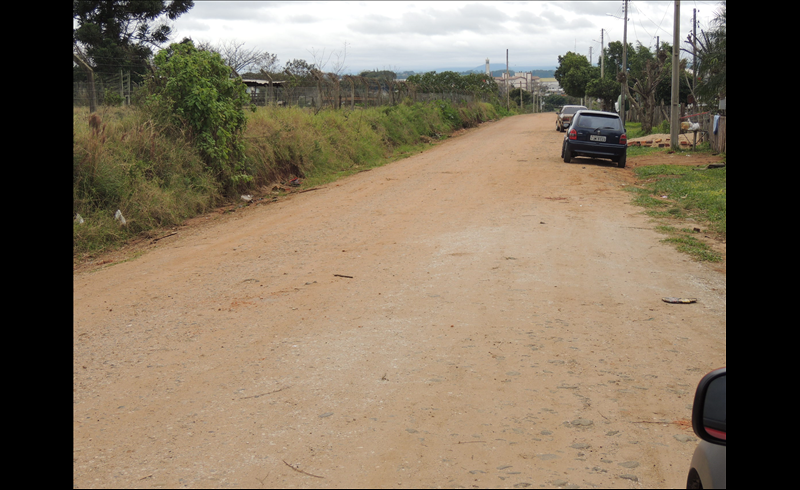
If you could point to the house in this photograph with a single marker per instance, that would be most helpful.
(525, 81)
(551, 86)
(261, 91)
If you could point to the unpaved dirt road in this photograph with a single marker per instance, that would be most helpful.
(479, 315)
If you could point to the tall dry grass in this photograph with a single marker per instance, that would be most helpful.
(157, 179)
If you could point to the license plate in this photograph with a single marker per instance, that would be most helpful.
(593, 137)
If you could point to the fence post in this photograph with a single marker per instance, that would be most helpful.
(90, 73)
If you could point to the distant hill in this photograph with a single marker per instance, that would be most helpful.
(497, 70)
(538, 71)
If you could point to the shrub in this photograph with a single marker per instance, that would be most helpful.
(193, 89)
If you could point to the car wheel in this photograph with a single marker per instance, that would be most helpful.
(622, 160)
(693, 481)
(567, 154)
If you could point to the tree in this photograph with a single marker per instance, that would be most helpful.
(242, 59)
(574, 72)
(516, 93)
(711, 58)
(121, 34)
(605, 89)
(644, 82)
(192, 89)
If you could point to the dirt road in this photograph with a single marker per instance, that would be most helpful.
(478, 315)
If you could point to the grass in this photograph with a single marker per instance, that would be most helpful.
(685, 194)
(157, 178)
(125, 163)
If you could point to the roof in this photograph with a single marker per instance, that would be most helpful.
(250, 82)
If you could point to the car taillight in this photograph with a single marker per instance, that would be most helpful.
(573, 135)
(623, 140)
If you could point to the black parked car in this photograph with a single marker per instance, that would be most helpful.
(596, 134)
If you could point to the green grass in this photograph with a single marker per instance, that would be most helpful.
(157, 178)
(127, 164)
(685, 194)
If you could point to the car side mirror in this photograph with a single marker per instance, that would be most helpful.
(709, 414)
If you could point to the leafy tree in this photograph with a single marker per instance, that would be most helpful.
(554, 101)
(381, 75)
(644, 82)
(605, 89)
(574, 72)
(664, 89)
(120, 34)
(614, 57)
(481, 83)
(647, 80)
(299, 69)
(192, 89)
(516, 93)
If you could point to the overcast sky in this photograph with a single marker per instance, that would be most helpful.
(424, 36)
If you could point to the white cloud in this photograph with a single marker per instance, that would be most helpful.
(433, 35)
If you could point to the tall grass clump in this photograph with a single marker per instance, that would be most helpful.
(321, 146)
(158, 169)
(122, 161)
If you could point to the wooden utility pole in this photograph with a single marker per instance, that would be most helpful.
(694, 50)
(624, 62)
(508, 90)
(602, 55)
(675, 121)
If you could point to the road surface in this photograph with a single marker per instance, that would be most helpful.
(481, 314)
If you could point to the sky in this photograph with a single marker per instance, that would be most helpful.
(428, 35)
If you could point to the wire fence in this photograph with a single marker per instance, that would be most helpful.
(329, 91)
(316, 91)
(109, 90)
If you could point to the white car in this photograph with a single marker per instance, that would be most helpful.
(709, 420)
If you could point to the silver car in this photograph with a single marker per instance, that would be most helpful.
(709, 420)
(564, 118)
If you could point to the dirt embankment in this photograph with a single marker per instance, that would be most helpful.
(479, 315)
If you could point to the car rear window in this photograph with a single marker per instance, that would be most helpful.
(599, 122)
(572, 110)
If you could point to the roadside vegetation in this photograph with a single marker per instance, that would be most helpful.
(688, 202)
(190, 144)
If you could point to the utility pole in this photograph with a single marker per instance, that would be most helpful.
(624, 61)
(602, 55)
(508, 90)
(694, 50)
(675, 123)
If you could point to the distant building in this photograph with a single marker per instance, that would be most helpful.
(523, 80)
(551, 85)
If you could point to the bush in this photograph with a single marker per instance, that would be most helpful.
(193, 89)
(112, 98)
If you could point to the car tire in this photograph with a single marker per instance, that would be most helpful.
(622, 160)
(567, 154)
(693, 480)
